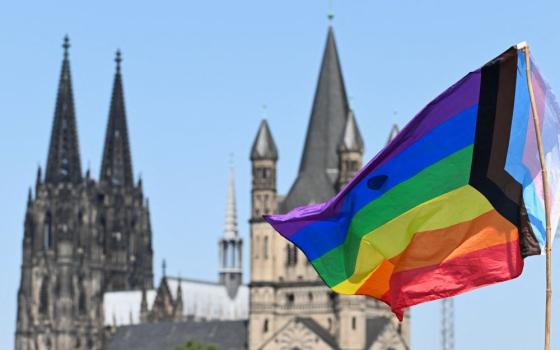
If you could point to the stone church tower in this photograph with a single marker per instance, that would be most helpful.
(290, 307)
(81, 238)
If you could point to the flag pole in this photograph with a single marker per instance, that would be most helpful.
(548, 247)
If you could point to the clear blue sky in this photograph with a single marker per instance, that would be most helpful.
(196, 75)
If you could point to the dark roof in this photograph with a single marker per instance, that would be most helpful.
(319, 162)
(63, 162)
(352, 138)
(319, 331)
(374, 328)
(226, 335)
(116, 165)
(264, 146)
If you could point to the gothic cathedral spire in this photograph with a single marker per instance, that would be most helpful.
(63, 162)
(231, 245)
(116, 166)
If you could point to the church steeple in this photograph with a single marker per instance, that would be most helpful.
(328, 116)
(230, 245)
(63, 162)
(318, 170)
(116, 166)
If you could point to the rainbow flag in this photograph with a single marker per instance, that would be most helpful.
(453, 203)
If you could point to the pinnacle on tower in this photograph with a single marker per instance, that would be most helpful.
(29, 197)
(39, 178)
(230, 226)
(393, 133)
(63, 162)
(264, 146)
(116, 166)
(352, 138)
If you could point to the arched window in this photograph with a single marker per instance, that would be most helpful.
(31, 230)
(81, 297)
(265, 247)
(82, 302)
(292, 255)
(257, 246)
(232, 254)
(257, 205)
(47, 231)
(103, 234)
(310, 296)
(290, 299)
(265, 204)
(44, 297)
(353, 322)
(265, 326)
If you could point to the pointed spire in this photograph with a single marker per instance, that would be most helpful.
(394, 132)
(328, 116)
(178, 305)
(39, 178)
(230, 226)
(318, 170)
(264, 146)
(352, 138)
(144, 306)
(163, 268)
(29, 197)
(179, 290)
(63, 163)
(116, 166)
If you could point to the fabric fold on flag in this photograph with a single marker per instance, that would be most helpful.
(454, 202)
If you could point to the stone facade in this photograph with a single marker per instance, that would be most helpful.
(188, 300)
(290, 307)
(81, 237)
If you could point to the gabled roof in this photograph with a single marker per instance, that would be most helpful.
(225, 335)
(116, 165)
(319, 331)
(264, 146)
(318, 169)
(374, 328)
(63, 162)
(306, 322)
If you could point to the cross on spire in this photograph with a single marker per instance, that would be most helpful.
(330, 14)
(163, 268)
(66, 46)
(118, 59)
